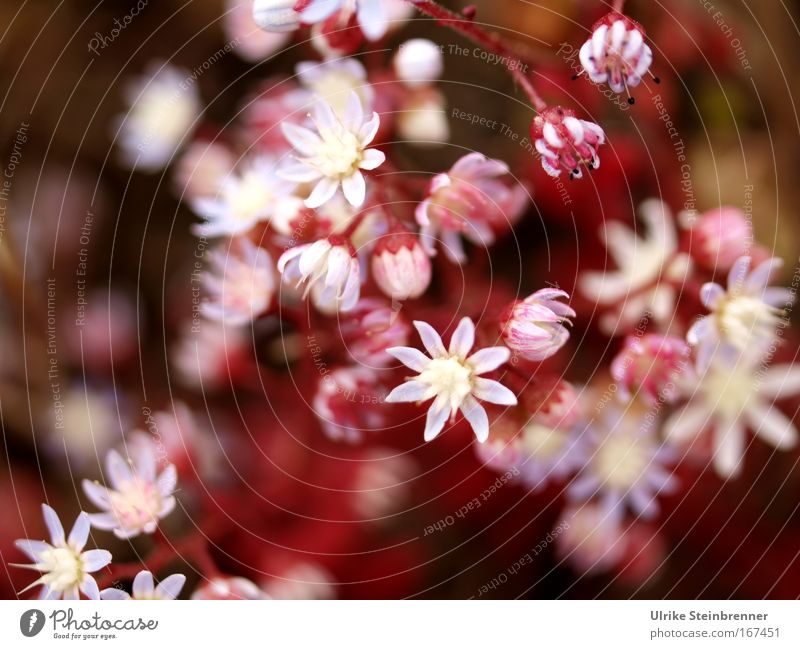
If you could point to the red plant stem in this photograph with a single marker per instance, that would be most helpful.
(618, 5)
(193, 548)
(488, 40)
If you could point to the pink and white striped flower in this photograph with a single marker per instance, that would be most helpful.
(566, 142)
(336, 154)
(730, 395)
(240, 283)
(400, 266)
(534, 327)
(66, 569)
(746, 315)
(616, 53)
(139, 497)
(469, 201)
(645, 262)
(330, 270)
(452, 378)
(244, 199)
(144, 588)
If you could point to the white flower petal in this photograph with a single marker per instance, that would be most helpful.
(322, 193)
(434, 422)
(143, 585)
(410, 391)
(94, 560)
(410, 357)
(80, 532)
(463, 338)
(171, 587)
(493, 392)
(771, 425)
(354, 188)
(475, 414)
(372, 159)
(430, 339)
(53, 524)
(489, 359)
(89, 588)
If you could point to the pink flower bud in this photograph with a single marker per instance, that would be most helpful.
(719, 237)
(371, 327)
(566, 142)
(348, 403)
(649, 366)
(552, 401)
(400, 266)
(534, 327)
(616, 53)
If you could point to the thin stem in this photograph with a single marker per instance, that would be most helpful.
(617, 6)
(488, 40)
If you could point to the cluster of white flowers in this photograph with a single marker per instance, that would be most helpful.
(137, 499)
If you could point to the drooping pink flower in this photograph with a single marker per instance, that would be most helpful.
(451, 377)
(469, 200)
(400, 266)
(534, 327)
(330, 270)
(649, 366)
(370, 328)
(565, 142)
(616, 53)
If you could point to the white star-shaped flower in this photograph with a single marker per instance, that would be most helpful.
(65, 567)
(452, 378)
(646, 265)
(728, 396)
(245, 199)
(335, 155)
(745, 316)
(145, 588)
(139, 496)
